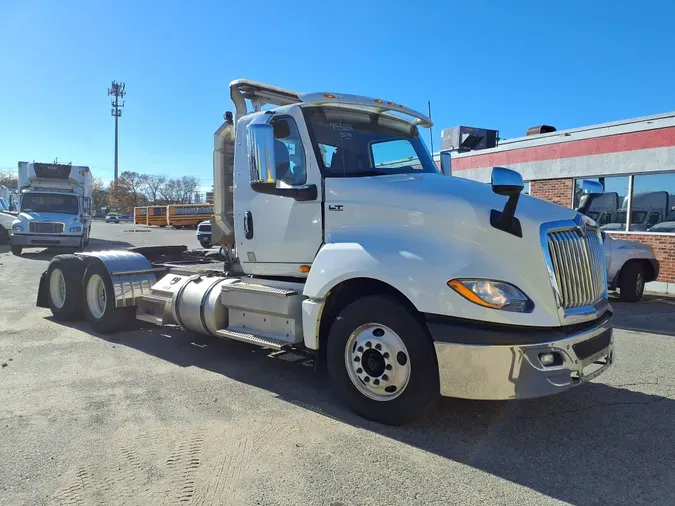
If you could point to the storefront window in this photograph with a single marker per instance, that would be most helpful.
(606, 210)
(653, 202)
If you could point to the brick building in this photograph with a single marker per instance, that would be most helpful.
(634, 160)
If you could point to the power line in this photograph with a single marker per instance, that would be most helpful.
(117, 90)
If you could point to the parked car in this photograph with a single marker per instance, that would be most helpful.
(630, 264)
(204, 234)
(112, 218)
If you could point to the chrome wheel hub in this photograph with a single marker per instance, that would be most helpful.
(96, 296)
(377, 362)
(57, 288)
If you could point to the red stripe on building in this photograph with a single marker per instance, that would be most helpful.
(647, 139)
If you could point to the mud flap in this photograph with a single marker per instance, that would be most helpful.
(42, 300)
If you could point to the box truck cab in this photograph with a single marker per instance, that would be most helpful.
(55, 207)
(342, 239)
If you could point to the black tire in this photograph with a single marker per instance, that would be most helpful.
(86, 241)
(72, 270)
(16, 250)
(423, 388)
(206, 245)
(4, 235)
(631, 282)
(112, 319)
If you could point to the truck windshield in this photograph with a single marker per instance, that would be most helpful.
(48, 203)
(355, 143)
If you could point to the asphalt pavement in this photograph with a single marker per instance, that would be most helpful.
(156, 416)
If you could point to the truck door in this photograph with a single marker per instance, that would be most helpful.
(276, 234)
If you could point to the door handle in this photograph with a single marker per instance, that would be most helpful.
(248, 225)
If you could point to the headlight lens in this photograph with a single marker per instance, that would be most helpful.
(17, 227)
(493, 294)
(75, 228)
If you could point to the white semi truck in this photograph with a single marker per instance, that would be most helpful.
(55, 206)
(406, 283)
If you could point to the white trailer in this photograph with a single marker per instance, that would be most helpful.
(406, 283)
(55, 206)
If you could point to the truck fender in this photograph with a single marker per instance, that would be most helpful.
(417, 265)
(131, 273)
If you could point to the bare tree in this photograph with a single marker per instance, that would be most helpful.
(9, 179)
(99, 195)
(152, 185)
(126, 193)
(189, 186)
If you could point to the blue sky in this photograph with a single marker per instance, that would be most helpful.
(491, 64)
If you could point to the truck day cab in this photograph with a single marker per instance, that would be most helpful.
(343, 239)
(55, 209)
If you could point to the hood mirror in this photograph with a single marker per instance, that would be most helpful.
(590, 190)
(509, 183)
(506, 181)
(446, 163)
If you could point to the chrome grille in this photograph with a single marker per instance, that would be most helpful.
(579, 267)
(46, 228)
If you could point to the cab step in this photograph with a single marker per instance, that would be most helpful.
(258, 340)
(155, 309)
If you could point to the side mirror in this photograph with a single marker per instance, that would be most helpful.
(509, 183)
(446, 163)
(506, 182)
(590, 190)
(261, 160)
(260, 141)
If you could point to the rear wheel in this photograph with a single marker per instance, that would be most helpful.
(16, 250)
(632, 282)
(64, 278)
(382, 362)
(99, 302)
(86, 240)
(4, 235)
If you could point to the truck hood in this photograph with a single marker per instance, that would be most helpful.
(637, 249)
(444, 223)
(48, 217)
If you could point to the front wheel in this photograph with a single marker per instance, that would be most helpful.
(631, 282)
(16, 250)
(382, 362)
(99, 302)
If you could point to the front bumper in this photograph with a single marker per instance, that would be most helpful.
(495, 363)
(46, 240)
(205, 237)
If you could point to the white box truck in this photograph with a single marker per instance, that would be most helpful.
(55, 206)
(406, 283)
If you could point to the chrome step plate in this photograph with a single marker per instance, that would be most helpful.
(246, 337)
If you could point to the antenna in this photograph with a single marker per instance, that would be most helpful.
(431, 133)
(117, 90)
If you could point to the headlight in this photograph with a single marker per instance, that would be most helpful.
(17, 227)
(492, 294)
(75, 228)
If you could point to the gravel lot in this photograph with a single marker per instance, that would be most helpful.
(153, 417)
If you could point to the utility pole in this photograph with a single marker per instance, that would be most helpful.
(116, 90)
